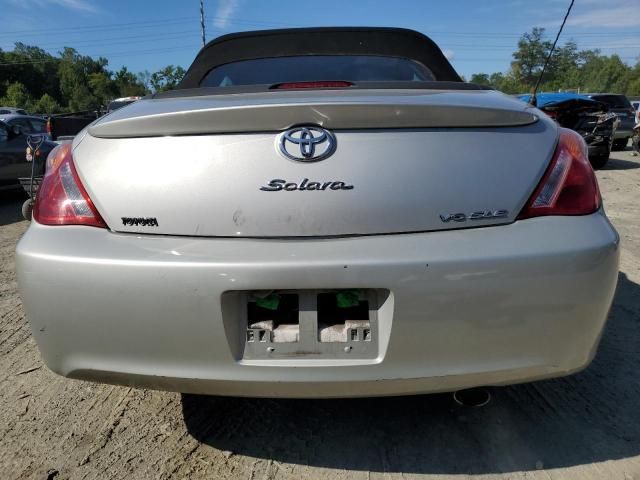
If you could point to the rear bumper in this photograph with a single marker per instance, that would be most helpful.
(483, 306)
(625, 129)
(598, 150)
(620, 134)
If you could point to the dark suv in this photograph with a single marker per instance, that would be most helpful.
(621, 106)
(13, 156)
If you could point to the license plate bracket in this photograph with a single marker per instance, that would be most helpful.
(329, 323)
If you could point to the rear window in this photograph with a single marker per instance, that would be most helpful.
(614, 101)
(38, 126)
(313, 68)
(22, 122)
(30, 125)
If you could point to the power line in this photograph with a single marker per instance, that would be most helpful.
(258, 23)
(99, 27)
(127, 53)
(128, 25)
(475, 59)
(133, 39)
(511, 48)
(143, 38)
(518, 35)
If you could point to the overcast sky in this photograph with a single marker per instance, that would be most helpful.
(477, 36)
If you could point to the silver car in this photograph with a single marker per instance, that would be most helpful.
(319, 213)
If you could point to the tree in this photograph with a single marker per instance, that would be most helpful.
(634, 84)
(144, 79)
(568, 69)
(128, 84)
(530, 56)
(606, 74)
(71, 81)
(166, 78)
(31, 66)
(17, 95)
(47, 104)
(83, 80)
(103, 88)
(563, 66)
(480, 79)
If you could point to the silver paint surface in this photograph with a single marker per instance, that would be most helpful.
(468, 307)
(508, 301)
(334, 109)
(403, 180)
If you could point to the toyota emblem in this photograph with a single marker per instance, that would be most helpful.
(307, 144)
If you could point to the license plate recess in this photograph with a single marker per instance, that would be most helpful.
(308, 323)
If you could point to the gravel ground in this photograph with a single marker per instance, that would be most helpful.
(582, 427)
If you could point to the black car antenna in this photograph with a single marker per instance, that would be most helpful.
(533, 100)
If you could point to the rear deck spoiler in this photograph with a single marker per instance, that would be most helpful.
(275, 111)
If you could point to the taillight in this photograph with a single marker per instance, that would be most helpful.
(569, 186)
(61, 198)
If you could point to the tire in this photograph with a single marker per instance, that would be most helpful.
(27, 209)
(619, 144)
(599, 161)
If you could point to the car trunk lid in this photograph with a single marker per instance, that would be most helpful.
(405, 161)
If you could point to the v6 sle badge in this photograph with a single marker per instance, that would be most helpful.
(479, 215)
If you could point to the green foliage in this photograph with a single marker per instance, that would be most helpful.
(128, 84)
(634, 82)
(33, 79)
(16, 95)
(480, 79)
(529, 57)
(568, 69)
(166, 78)
(46, 104)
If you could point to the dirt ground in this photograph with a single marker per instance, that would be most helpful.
(582, 427)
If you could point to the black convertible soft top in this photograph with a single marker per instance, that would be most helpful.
(379, 41)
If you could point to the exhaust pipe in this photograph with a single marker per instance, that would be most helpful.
(472, 397)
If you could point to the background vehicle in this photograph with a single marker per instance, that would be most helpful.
(28, 124)
(121, 102)
(70, 124)
(590, 118)
(319, 213)
(636, 106)
(13, 162)
(620, 105)
(12, 111)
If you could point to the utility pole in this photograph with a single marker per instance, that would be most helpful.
(202, 21)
